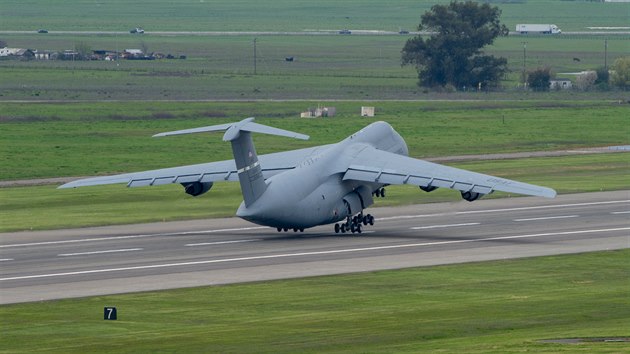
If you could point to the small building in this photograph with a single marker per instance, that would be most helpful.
(319, 112)
(132, 53)
(560, 84)
(367, 111)
(45, 55)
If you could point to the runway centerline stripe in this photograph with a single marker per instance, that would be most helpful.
(444, 226)
(221, 242)
(314, 253)
(132, 236)
(620, 212)
(99, 252)
(6, 259)
(549, 218)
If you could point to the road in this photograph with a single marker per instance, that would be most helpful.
(118, 259)
(311, 32)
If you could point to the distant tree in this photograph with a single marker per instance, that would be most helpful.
(620, 76)
(84, 50)
(586, 80)
(452, 55)
(603, 77)
(539, 79)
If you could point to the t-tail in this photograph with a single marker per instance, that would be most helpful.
(239, 134)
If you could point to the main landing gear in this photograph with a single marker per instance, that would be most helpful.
(354, 224)
(285, 229)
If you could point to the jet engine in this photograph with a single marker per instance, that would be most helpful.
(471, 196)
(197, 188)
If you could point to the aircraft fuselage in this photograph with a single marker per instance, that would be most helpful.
(322, 196)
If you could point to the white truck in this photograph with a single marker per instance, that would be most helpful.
(538, 28)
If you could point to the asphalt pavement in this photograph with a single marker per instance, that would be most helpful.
(119, 259)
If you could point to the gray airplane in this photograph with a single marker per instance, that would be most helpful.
(320, 185)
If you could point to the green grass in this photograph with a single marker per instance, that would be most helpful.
(490, 307)
(51, 140)
(222, 68)
(44, 207)
(283, 15)
(82, 139)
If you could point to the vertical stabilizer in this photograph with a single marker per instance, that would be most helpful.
(239, 135)
(249, 171)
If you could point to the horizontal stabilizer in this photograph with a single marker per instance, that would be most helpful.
(232, 130)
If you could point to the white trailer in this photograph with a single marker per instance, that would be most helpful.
(538, 28)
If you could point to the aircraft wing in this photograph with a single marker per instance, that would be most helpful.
(206, 172)
(372, 165)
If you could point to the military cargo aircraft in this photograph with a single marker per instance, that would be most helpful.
(299, 189)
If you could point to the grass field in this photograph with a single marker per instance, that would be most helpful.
(325, 67)
(52, 140)
(283, 15)
(82, 139)
(492, 307)
(44, 207)
(356, 67)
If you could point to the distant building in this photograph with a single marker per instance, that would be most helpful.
(45, 55)
(367, 111)
(560, 84)
(17, 52)
(319, 112)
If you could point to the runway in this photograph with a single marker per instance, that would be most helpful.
(108, 260)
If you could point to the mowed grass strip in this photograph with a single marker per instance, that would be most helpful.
(490, 307)
(52, 140)
(45, 207)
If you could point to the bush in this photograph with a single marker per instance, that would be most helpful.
(621, 73)
(539, 79)
(586, 80)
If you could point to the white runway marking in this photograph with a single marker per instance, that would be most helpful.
(620, 212)
(314, 253)
(99, 252)
(444, 226)
(220, 242)
(501, 210)
(542, 207)
(131, 237)
(549, 218)
(6, 259)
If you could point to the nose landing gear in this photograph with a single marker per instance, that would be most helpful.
(353, 224)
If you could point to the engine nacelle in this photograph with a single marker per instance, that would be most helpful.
(358, 199)
(471, 196)
(197, 188)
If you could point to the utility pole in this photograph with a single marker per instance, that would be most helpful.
(524, 60)
(606, 53)
(255, 39)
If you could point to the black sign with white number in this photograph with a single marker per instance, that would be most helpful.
(109, 313)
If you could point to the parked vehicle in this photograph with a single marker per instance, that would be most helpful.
(137, 30)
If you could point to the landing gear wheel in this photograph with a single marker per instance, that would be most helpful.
(336, 228)
(352, 228)
(370, 219)
(382, 192)
(279, 229)
(359, 228)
